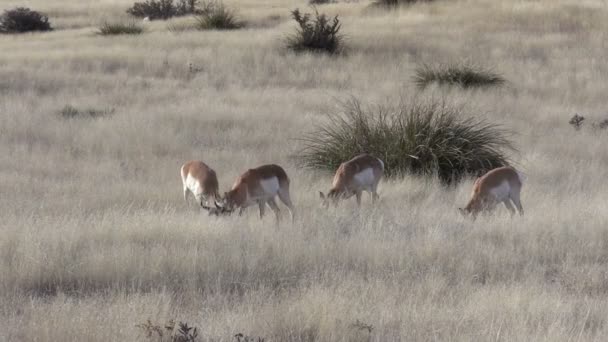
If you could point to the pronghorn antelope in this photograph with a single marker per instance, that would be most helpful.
(362, 173)
(200, 180)
(502, 184)
(257, 186)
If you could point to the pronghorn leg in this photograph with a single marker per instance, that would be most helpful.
(286, 199)
(273, 205)
(517, 201)
(262, 206)
(241, 211)
(358, 195)
(186, 193)
(509, 206)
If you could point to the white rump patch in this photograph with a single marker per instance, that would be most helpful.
(270, 185)
(194, 185)
(365, 177)
(502, 191)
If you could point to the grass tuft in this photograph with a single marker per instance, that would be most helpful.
(421, 138)
(462, 75)
(316, 33)
(109, 29)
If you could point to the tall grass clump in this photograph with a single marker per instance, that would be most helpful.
(218, 17)
(316, 33)
(164, 9)
(462, 75)
(21, 19)
(108, 29)
(421, 138)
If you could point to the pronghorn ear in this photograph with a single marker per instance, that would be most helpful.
(321, 194)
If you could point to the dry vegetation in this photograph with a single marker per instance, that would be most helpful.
(95, 238)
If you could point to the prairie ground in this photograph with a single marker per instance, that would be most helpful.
(95, 236)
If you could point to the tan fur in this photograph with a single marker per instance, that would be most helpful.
(483, 198)
(248, 190)
(345, 185)
(206, 178)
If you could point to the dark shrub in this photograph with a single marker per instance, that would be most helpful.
(318, 34)
(320, 2)
(429, 138)
(120, 28)
(462, 75)
(23, 19)
(396, 3)
(71, 112)
(218, 17)
(164, 9)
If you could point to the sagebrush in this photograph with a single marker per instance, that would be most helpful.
(164, 9)
(217, 16)
(422, 138)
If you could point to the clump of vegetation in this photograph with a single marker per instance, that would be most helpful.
(421, 138)
(244, 338)
(396, 3)
(164, 9)
(21, 19)
(71, 112)
(218, 17)
(108, 29)
(577, 121)
(462, 75)
(315, 33)
(168, 332)
(321, 2)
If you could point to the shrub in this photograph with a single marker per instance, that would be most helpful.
(120, 28)
(71, 112)
(420, 138)
(320, 2)
(218, 17)
(318, 34)
(463, 75)
(23, 19)
(396, 3)
(164, 9)
(169, 331)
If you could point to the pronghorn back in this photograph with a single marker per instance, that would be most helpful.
(199, 179)
(363, 163)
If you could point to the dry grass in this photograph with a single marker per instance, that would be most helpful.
(95, 236)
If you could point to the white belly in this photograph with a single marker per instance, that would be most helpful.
(364, 179)
(501, 192)
(269, 187)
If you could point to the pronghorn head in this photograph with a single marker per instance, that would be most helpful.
(332, 197)
(223, 206)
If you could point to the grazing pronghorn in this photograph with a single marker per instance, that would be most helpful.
(502, 184)
(362, 173)
(200, 180)
(257, 186)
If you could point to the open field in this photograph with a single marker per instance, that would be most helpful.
(95, 236)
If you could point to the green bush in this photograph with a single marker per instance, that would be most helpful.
(164, 9)
(108, 29)
(218, 17)
(21, 19)
(462, 75)
(421, 138)
(315, 34)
